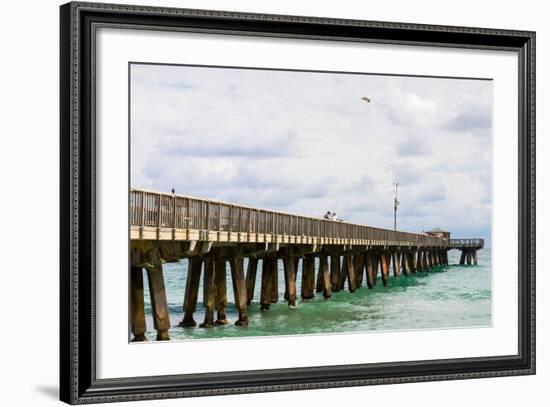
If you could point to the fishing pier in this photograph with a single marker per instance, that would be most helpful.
(334, 256)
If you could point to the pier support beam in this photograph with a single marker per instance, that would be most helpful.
(428, 259)
(425, 260)
(319, 284)
(359, 260)
(220, 280)
(325, 276)
(462, 256)
(159, 304)
(343, 273)
(385, 266)
(308, 277)
(267, 280)
(209, 293)
(475, 257)
(296, 261)
(275, 283)
(251, 271)
(414, 261)
(289, 264)
(137, 317)
(375, 266)
(191, 292)
(370, 269)
(396, 265)
(239, 289)
(349, 270)
(335, 273)
(405, 260)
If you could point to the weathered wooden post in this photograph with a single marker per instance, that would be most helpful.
(425, 264)
(405, 262)
(462, 256)
(428, 259)
(308, 277)
(385, 265)
(475, 257)
(137, 318)
(159, 304)
(325, 276)
(413, 261)
(289, 264)
(209, 293)
(296, 260)
(239, 289)
(375, 261)
(267, 280)
(359, 268)
(275, 283)
(469, 257)
(350, 272)
(191, 292)
(220, 280)
(251, 278)
(319, 285)
(395, 261)
(420, 261)
(343, 272)
(371, 273)
(335, 273)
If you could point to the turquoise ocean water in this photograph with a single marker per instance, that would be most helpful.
(446, 297)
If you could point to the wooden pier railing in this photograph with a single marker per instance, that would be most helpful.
(165, 216)
(466, 243)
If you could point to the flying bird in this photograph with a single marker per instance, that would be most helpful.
(366, 99)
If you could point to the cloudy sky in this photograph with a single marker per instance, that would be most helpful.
(305, 143)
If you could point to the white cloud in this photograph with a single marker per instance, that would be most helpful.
(306, 143)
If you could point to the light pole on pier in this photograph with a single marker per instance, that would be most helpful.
(395, 205)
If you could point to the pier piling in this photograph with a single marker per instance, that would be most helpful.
(350, 272)
(319, 281)
(325, 276)
(191, 292)
(209, 293)
(251, 271)
(371, 278)
(308, 277)
(385, 265)
(275, 282)
(335, 273)
(137, 320)
(265, 297)
(159, 304)
(405, 262)
(220, 280)
(239, 289)
(289, 265)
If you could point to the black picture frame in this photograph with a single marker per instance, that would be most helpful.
(78, 382)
